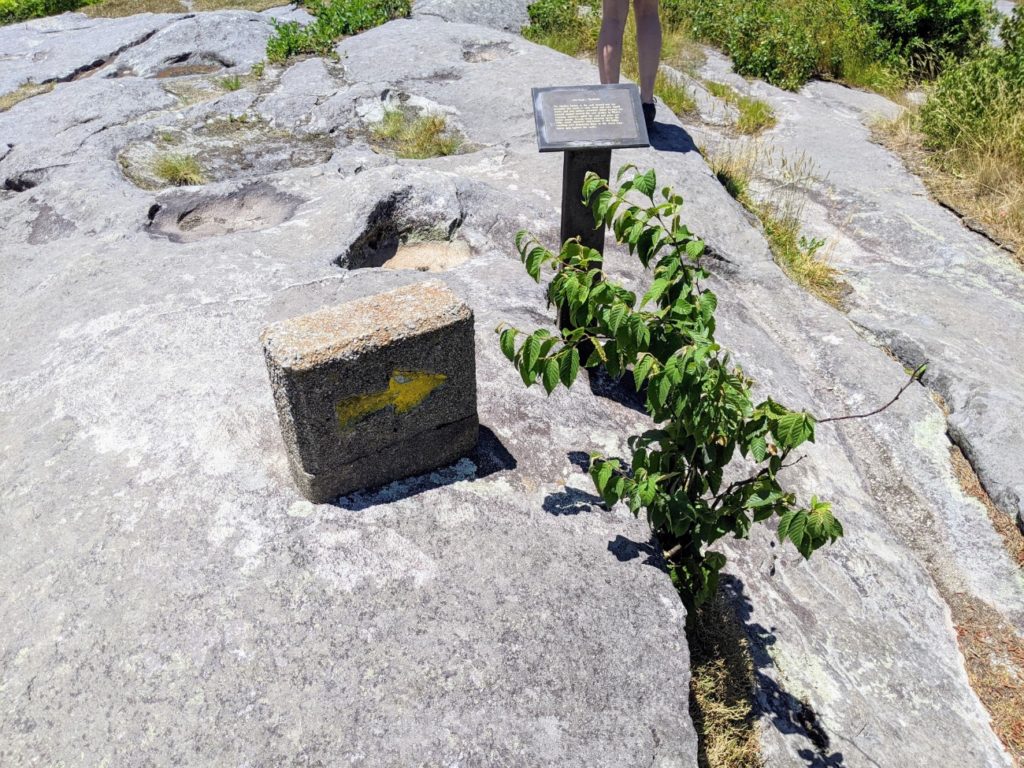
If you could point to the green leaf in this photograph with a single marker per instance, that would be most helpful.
(708, 303)
(658, 287)
(550, 376)
(616, 316)
(793, 429)
(759, 448)
(646, 183)
(531, 351)
(642, 369)
(534, 261)
(664, 387)
(570, 366)
(526, 374)
(793, 524)
(508, 343)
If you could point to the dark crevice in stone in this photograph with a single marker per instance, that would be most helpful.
(389, 227)
(380, 239)
(94, 66)
(22, 183)
(911, 357)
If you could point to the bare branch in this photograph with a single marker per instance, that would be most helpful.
(915, 376)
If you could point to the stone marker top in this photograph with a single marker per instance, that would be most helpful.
(304, 343)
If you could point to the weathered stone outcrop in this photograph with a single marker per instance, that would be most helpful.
(169, 596)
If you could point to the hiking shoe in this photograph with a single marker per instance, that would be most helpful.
(648, 115)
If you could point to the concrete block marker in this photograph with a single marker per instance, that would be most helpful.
(374, 390)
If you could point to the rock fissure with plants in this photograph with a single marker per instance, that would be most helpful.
(701, 403)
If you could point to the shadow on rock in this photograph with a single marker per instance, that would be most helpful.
(571, 501)
(619, 390)
(489, 457)
(626, 549)
(670, 138)
(786, 712)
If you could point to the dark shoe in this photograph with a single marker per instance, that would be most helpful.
(648, 115)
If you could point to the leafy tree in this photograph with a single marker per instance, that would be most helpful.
(701, 405)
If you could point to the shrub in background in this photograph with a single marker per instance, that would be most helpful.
(12, 11)
(333, 20)
(569, 26)
(870, 43)
(925, 33)
(981, 99)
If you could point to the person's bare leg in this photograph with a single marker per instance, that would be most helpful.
(609, 43)
(648, 45)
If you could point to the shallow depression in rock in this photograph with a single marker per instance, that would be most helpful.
(185, 217)
(221, 150)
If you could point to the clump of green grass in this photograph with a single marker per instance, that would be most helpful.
(333, 20)
(415, 137)
(722, 685)
(179, 170)
(799, 256)
(674, 94)
(230, 83)
(755, 115)
(258, 70)
(26, 91)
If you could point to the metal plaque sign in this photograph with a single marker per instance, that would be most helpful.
(589, 117)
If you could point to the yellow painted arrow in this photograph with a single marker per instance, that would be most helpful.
(406, 390)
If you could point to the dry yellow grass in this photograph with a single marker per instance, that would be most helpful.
(416, 138)
(984, 184)
(805, 260)
(722, 686)
(993, 651)
(119, 8)
(26, 91)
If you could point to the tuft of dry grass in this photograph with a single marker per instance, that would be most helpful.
(415, 138)
(984, 184)
(179, 170)
(26, 91)
(722, 685)
(804, 260)
(993, 651)
(1001, 521)
(113, 9)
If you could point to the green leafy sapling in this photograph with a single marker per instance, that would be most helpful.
(700, 403)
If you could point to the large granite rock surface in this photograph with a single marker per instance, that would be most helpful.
(509, 15)
(924, 285)
(169, 596)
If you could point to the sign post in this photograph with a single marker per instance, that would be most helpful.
(586, 122)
